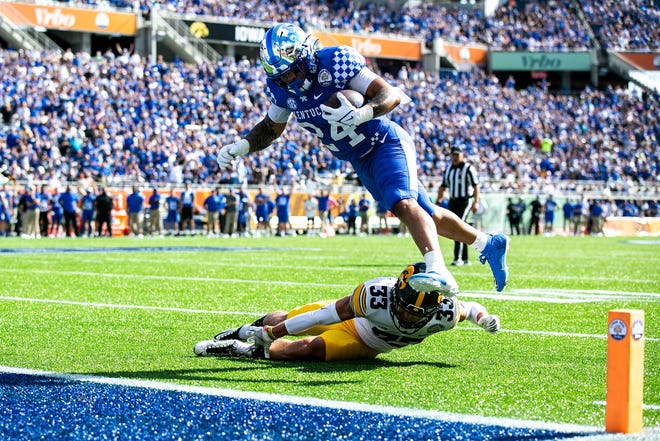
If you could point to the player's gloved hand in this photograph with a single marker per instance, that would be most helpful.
(347, 114)
(490, 323)
(261, 335)
(230, 152)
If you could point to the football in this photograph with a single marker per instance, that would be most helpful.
(354, 97)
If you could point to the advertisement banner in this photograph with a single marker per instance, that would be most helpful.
(374, 47)
(70, 19)
(641, 60)
(541, 61)
(370, 47)
(222, 32)
(465, 53)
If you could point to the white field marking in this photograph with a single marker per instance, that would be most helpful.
(571, 292)
(547, 295)
(184, 278)
(577, 277)
(644, 406)
(258, 314)
(547, 333)
(309, 401)
(119, 306)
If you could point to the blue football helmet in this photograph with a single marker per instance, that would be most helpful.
(287, 48)
(410, 310)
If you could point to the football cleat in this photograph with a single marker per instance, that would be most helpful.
(227, 334)
(227, 348)
(232, 333)
(490, 323)
(495, 254)
(432, 281)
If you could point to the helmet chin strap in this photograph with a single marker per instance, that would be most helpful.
(302, 85)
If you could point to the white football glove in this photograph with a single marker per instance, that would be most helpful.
(261, 335)
(230, 152)
(347, 114)
(490, 323)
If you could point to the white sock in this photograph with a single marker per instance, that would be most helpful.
(434, 262)
(480, 242)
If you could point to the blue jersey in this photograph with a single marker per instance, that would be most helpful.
(154, 201)
(44, 202)
(336, 66)
(134, 203)
(88, 207)
(323, 202)
(88, 203)
(68, 201)
(263, 206)
(212, 203)
(282, 203)
(380, 151)
(550, 206)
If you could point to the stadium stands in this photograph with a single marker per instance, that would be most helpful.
(530, 25)
(121, 119)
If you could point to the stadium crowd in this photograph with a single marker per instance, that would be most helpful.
(516, 25)
(114, 119)
(530, 25)
(119, 119)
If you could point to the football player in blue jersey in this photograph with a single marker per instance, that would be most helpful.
(380, 315)
(301, 77)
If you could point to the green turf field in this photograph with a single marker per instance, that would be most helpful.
(137, 314)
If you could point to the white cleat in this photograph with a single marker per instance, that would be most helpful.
(213, 348)
(432, 281)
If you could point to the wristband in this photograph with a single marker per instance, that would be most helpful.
(240, 148)
(363, 114)
(269, 332)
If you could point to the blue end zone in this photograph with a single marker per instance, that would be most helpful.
(44, 407)
(130, 249)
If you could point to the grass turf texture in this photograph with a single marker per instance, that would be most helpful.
(548, 364)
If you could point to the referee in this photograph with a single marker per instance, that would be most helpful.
(463, 185)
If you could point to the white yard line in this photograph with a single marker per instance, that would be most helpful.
(257, 314)
(120, 306)
(307, 401)
(653, 407)
(547, 295)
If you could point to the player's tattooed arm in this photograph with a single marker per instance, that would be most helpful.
(264, 133)
(382, 97)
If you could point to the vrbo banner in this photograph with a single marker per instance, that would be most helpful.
(70, 19)
(375, 47)
(545, 61)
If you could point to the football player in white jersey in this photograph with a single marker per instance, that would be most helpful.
(301, 78)
(380, 315)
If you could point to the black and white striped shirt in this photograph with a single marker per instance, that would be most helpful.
(460, 181)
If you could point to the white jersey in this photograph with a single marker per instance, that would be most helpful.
(370, 302)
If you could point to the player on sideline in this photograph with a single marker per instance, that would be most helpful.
(380, 315)
(301, 77)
